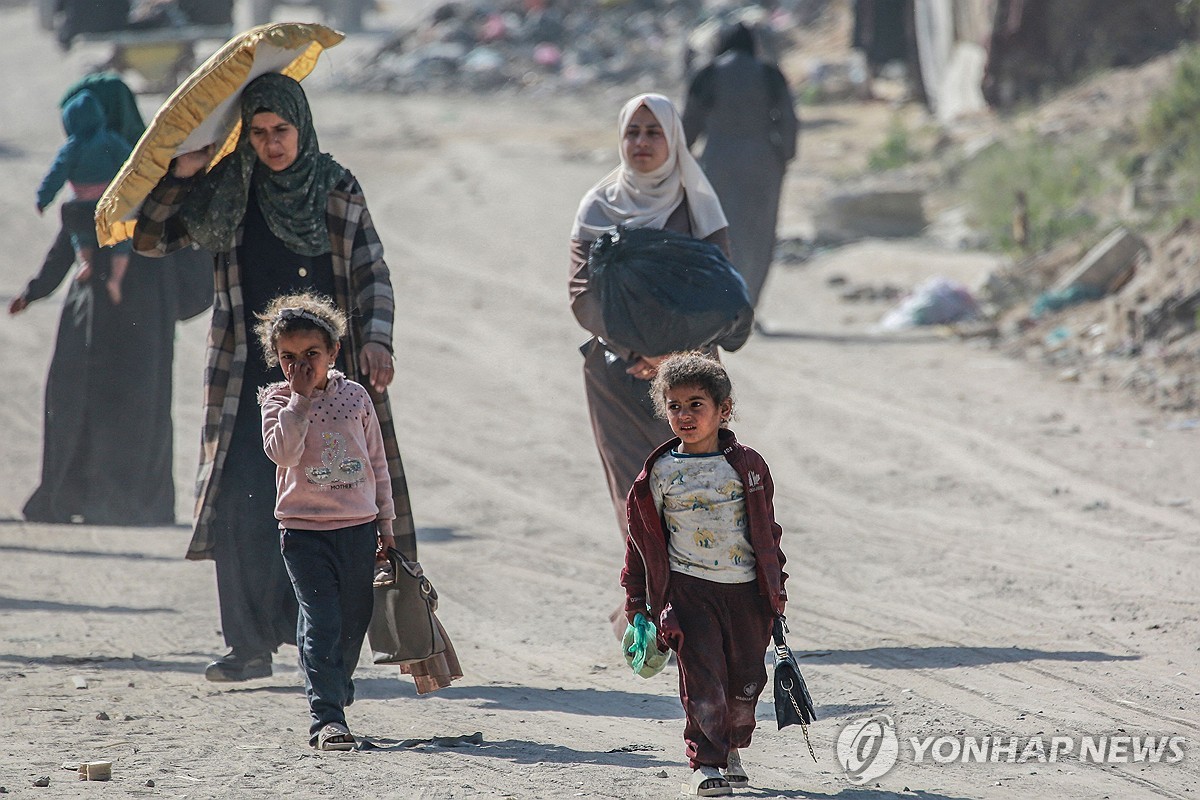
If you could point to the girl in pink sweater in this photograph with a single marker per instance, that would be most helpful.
(333, 499)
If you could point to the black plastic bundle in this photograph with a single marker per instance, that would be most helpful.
(663, 292)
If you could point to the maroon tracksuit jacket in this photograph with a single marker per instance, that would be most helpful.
(647, 570)
(719, 631)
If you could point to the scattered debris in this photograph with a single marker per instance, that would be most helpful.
(833, 79)
(635, 748)
(1107, 266)
(869, 293)
(937, 301)
(95, 771)
(464, 740)
(790, 251)
(1058, 299)
(1144, 329)
(488, 45)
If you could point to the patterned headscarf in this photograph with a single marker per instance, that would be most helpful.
(292, 200)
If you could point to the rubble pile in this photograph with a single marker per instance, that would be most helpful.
(1141, 336)
(1136, 328)
(487, 45)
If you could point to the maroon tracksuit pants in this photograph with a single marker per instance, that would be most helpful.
(726, 627)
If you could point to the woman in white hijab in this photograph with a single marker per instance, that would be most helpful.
(658, 185)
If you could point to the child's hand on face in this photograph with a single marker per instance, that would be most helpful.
(301, 377)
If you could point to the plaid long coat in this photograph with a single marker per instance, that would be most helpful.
(362, 289)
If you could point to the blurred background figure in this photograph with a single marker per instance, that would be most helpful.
(1020, 221)
(88, 161)
(122, 119)
(88, 16)
(743, 108)
(107, 449)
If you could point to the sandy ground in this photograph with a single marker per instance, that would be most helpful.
(974, 548)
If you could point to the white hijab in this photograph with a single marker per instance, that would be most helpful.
(645, 200)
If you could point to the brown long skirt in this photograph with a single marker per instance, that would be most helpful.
(623, 421)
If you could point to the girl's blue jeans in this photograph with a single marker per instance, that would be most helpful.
(331, 572)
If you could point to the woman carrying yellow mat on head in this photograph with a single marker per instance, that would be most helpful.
(282, 217)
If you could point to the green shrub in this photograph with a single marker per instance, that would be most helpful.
(1170, 125)
(810, 95)
(1059, 183)
(896, 151)
(1171, 132)
(1184, 185)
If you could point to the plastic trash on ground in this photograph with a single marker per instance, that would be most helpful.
(937, 301)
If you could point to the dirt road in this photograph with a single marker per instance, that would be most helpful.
(975, 548)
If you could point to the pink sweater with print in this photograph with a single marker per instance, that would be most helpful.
(331, 467)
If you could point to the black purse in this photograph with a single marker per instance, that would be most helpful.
(793, 703)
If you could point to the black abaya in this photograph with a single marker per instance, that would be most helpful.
(108, 446)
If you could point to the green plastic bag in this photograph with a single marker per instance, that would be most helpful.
(640, 645)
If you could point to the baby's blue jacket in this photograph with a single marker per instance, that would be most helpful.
(92, 154)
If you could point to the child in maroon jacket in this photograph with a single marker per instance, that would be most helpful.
(702, 560)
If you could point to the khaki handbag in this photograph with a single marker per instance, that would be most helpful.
(403, 628)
